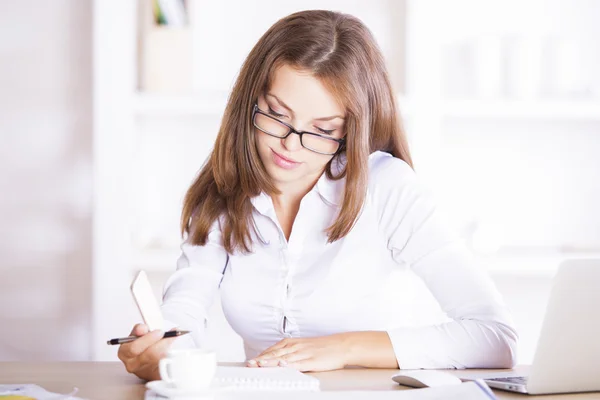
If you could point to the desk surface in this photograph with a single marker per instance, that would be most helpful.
(109, 380)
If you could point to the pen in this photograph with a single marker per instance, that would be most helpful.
(128, 339)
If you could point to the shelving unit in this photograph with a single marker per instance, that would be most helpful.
(208, 104)
(541, 110)
(213, 105)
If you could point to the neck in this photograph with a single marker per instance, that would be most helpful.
(293, 192)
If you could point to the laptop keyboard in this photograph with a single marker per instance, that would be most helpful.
(520, 380)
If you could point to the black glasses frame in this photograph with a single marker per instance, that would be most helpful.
(291, 130)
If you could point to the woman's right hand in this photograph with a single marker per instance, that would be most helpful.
(141, 356)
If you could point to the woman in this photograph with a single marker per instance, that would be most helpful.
(306, 206)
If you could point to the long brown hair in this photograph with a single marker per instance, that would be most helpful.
(340, 51)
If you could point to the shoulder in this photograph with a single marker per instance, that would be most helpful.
(389, 172)
(393, 183)
(387, 176)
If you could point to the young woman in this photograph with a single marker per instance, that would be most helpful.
(305, 207)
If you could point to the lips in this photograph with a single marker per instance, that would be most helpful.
(285, 158)
(283, 162)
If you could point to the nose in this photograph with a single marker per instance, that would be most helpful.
(292, 142)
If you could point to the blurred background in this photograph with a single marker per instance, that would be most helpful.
(108, 109)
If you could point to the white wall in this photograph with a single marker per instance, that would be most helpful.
(538, 179)
(45, 179)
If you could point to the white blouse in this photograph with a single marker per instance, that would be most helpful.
(306, 287)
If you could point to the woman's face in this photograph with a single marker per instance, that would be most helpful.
(300, 100)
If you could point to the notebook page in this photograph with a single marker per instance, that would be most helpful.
(243, 378)
(464, 391)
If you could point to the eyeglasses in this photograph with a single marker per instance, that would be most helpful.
(312, 141)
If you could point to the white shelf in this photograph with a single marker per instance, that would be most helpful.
(546, 109)
(213, 104)
(209, 104)
(156, 104)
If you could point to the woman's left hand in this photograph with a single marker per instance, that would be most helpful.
(306, 354)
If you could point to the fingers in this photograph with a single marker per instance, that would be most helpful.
(264, 363)
(294, 355)
(292, 359)
(280, 357)
(156, 351)
(125, 349)
(260, 360)
(276, 353)
(136, 360)
(135, 348)
(273, 362)
(278, 345)
(138, 346)
(139, 330)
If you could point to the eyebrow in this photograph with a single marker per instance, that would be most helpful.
(292, 111)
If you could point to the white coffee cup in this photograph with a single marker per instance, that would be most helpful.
(188, 368)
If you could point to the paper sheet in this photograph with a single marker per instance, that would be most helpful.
(34, 391)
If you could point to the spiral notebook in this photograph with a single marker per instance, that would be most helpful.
(242, 378)
(465, 391)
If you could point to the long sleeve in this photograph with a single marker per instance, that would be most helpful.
(191, 289)
(480, 333)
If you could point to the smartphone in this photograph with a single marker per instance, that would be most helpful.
(146, 302)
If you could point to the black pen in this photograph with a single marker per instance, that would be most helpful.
(128, 339)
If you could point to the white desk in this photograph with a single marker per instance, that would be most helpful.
(109, 380)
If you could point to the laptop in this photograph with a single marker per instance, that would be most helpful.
(567, 356)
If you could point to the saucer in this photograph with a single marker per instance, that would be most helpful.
(166, 390)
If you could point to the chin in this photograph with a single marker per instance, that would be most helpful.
(282, 175)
